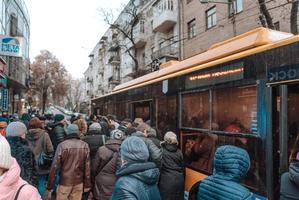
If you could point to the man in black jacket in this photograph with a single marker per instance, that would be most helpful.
(57, 131)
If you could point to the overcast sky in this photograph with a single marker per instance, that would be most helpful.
(68, 28)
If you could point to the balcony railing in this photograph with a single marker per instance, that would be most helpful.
(165, 15)
(168, 51)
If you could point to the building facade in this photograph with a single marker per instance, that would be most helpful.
(15, 37)
(168, 30)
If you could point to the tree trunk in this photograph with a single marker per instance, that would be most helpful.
(294, 12)
(45, 95)
(265, 12)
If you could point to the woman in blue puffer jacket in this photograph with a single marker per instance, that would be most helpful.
(230, 165)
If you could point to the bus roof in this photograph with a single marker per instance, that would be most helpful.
(252, 42)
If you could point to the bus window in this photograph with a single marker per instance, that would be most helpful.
(142, 110)
(234, 110)
(166, 113)
(195, 111)
(199, 149)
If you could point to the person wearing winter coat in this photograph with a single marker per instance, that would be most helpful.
(137, 177)
(39, 141)
(73, 163)
(20, 150)
(231, 164)
(95, 139)
(289, 185)
(155, 153)
(171, 183)
(57, 132)
(10, 181)
(104, 167)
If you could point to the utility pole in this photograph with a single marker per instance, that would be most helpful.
(231, 5)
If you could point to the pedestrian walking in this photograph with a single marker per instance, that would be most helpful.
(105, 165)
(20, 149)
(137, 177)
(57, 132)
(171, 183)
(231, 164)
(12, 186)
(73, 163)
(95, 139)
(40, 143)
(289, 185)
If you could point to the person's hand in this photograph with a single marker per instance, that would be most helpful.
(47, 195)
(86, 190)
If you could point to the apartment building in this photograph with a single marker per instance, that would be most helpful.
(14, 70)
(171, 30)
(204, 24)
(117, 58)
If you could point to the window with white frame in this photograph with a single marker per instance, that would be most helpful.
(211, 18)
(191, 29)
(235, 6)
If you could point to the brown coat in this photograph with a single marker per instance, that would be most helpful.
(104, 169)
(72, 160)
(39, 140)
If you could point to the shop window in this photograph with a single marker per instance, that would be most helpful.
(191, 29)
(234, 110)
(195, 113)
(211, 18)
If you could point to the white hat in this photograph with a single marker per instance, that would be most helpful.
(5, 154)
(170, 137)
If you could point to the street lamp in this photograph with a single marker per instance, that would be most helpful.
(231, 4)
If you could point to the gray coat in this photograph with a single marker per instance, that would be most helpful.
(154, 152)
(289, 188)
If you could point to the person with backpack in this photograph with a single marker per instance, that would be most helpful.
(12, 186)
(40, 143)
(105, 165)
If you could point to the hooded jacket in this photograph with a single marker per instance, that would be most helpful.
(137, 181)
(230, 165)
(154, 151)
(12, 182)
(39, 141)
(104, 169)
(289, 189)
(171, 183)
(24, 155)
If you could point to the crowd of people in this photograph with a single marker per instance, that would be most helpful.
(49, 157)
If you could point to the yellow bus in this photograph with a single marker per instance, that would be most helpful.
(243, 91)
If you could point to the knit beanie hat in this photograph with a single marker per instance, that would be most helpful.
(170, 138)
(3, 124)
(58, 118)
(117, 134)
(95, 127)
(72, 129)
(5, 154)
(16, 129)
(134, 149)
